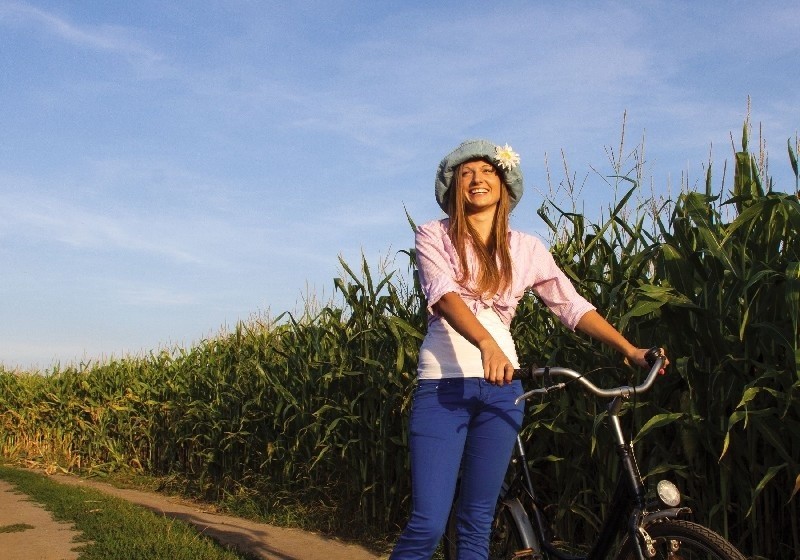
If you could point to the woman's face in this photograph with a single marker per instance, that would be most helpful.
(480, 185)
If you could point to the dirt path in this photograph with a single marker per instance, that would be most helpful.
(259, 539)
(29, 532)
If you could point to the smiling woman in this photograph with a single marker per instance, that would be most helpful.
(473, 271)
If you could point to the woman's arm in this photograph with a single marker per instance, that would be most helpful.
(497, 368)
(593, 324)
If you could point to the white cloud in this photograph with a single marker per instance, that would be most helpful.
(109, 38)
(50, 219)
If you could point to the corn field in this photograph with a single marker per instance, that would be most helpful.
(309, 413)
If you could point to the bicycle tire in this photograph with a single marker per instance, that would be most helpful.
(693, 542)
(504, 541)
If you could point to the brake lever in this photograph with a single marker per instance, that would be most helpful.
(540, 391)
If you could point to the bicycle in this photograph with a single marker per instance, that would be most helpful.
(646, 529)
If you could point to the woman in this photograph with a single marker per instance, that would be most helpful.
(473, 270)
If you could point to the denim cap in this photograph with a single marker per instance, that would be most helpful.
(476, 149)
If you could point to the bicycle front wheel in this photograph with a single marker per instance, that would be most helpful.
(675, 539)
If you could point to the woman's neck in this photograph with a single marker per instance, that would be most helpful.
(483, 224)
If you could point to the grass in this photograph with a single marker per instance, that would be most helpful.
(112, 528)
(15, 528)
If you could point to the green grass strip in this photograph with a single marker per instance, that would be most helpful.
(15, 528)
(113, 528)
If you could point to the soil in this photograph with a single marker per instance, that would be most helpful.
(50, 540)
(29, 532)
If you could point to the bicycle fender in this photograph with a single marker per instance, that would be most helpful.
(523, 523)
(669, 513)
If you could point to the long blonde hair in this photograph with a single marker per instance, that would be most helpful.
(494, 273)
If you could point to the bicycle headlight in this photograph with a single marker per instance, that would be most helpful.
(668, 493)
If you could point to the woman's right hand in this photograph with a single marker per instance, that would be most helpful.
(497, 368)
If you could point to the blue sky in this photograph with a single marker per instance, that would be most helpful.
(170, 168)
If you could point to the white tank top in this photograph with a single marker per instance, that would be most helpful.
(445, 353)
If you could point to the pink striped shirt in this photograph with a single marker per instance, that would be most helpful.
(532, 265)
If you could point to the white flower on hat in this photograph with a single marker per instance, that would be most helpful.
(505, 157)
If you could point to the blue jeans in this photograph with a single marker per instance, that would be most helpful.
(467, 424)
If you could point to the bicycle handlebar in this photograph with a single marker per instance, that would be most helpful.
(654, 357)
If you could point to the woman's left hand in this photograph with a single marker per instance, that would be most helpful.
(637, 356)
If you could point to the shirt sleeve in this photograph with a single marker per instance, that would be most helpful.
(556, 289)
(435, 264)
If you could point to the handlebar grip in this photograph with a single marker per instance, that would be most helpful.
(524, 373)
(652, 355)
